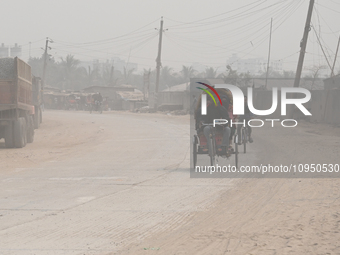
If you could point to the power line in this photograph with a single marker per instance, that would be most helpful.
(214, 16)
(327, 8)
(114, 38)
(236, 16)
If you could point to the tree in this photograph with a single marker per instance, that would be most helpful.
(288, 74)
(166, 77)
(187, 72)
(36, 66)
(108, 76)
(231, 77)
(89, 76)
(71, 73)
(314, 74)
(244, 79)
(210, 73)
(52, 72)
(127, 74)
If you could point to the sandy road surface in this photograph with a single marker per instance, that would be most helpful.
(271, 215)
(119, 184)
(93, 184)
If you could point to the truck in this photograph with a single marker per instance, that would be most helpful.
(37, 100)
(17, 111)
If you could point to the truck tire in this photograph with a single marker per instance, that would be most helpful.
(37, 117)
(19, 129)
(40, 116)
(24, 130)
(9, 137)
(30, 129)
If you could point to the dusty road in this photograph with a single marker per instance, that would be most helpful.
(119, 184)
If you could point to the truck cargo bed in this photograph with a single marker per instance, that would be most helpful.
(15, 84)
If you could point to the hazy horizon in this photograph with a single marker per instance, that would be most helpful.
(205, 32)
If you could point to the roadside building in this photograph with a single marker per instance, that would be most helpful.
(124, 97)
(332, 82)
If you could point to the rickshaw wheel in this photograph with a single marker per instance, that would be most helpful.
(244, 140)
(212, 153)
(194, 150)
(236, 155)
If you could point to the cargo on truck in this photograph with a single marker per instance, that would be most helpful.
(17, 111)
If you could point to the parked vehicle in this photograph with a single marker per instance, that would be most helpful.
(17, 111)
(37, 97)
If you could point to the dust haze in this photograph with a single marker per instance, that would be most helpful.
(107, 144)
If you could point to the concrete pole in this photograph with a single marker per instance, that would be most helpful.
(304, 45)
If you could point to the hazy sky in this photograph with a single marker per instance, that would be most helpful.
(208, 32)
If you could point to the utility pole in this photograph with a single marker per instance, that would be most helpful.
(270, 43)
(144, 85)
(158, 60)
(323, 51)
(148, 88)
(90, 76)
(45, 61)
(303, 45)
(336, 55)
(111, 75)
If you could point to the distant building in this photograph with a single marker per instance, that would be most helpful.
(180, 87)
(15, 51)
(4, 51)
(308, 83)
(124, 97)
(120, 65)
(101, 66)
(332, 82)
(110, 92)
(253, 65)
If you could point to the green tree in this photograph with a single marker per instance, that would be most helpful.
(231, 76)
(210, 73)
(288, 74)
(37, 65)
(166, 77)
(52, 70)
(127, 75)
(244, 79)
(72, 74)
(187, 72)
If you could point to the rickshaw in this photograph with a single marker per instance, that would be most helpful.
(72, 102)
(200, 146)
(200, 143)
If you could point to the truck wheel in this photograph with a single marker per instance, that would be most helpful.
(40, 116)
(30, 129)
(37, 117)
(20, 133)
(9, 138)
